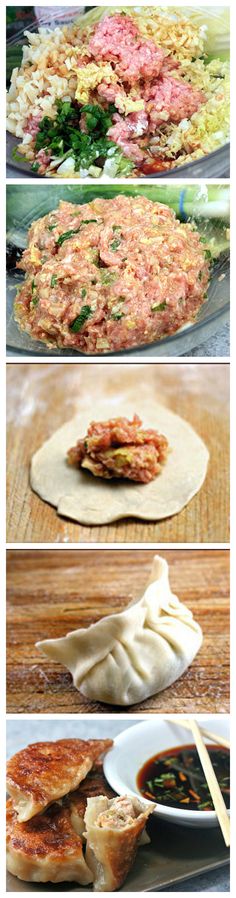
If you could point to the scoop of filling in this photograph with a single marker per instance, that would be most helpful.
(120, 448)
(110, 275)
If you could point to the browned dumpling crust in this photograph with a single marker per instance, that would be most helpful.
(46, 771)
(46, 848)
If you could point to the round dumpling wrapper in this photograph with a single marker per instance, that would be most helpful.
(78, 495)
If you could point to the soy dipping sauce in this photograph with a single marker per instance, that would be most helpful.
(175, 778)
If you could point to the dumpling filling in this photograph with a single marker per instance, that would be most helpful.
(110, 275)
(120, 448)
(120, 813)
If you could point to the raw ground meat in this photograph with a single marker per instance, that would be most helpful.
(170, 99)
(166, 99)
(120, 448)
(117, 39)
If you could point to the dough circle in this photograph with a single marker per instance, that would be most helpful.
(79, 495)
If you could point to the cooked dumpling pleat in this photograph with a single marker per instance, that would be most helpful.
(94, 784)
(46, 771)
(113, 832)
(127, 657)
(46, 848)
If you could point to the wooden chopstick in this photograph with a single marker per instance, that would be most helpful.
(213, 785)
(219, 740)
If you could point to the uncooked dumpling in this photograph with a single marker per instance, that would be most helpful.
(124, 658)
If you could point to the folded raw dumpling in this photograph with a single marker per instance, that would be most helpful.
(113, 832)
(126, 657)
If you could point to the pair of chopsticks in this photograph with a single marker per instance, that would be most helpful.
(212, 782)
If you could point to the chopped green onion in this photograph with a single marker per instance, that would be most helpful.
(158, 308)
(83, 292)
(53, 280)
(68, 234)
(115, 244)
(78, 322)
(107, 277)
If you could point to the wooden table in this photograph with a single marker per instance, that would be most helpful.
(53, 591)
(41, 397)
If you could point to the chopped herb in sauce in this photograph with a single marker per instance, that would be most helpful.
(33, 285)
(208, 254)
(35, 300)
(176, 778)
(79, 321)
(51, 227)
(35, 166)
(83, 292)
(116, 227)
(53, 280)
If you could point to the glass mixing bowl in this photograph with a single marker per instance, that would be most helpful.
(214, 165)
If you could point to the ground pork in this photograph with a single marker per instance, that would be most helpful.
(117, 39)
(169, 99)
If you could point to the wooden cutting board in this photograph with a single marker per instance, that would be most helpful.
(51, 592)
(41, 397)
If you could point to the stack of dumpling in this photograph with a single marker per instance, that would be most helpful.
(64, 823)
(127, 657)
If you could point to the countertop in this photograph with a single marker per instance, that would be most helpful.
(20, 733)
(51, 592)
(41, 397)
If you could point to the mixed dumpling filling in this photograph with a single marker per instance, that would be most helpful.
(110, 275)
(120, 812)
(120, 448)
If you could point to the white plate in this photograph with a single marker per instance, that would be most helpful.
(139, 743)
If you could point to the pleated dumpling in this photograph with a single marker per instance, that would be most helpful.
(127, 657)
